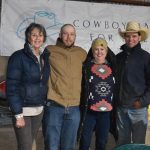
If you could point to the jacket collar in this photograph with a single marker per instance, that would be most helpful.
(29, 51)
(126, 49)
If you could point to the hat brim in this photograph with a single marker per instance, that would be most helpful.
(143, 32)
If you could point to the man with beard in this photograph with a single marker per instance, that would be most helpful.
(62, 115)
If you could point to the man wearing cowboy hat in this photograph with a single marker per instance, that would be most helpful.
(133, 74)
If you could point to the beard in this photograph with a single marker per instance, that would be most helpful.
(69, 45)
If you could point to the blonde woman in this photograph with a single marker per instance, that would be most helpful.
(97, 97)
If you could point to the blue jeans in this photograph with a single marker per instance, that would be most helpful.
(60, 126)
(131, 125)
(100, 121)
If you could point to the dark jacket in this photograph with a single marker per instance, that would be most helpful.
(133, 76)
(111, 58)
(26, 83)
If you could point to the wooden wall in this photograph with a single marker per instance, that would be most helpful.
(126, 2)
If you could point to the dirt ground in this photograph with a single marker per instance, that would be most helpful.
(8, 141)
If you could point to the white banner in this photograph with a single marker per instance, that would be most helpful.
(91, 20)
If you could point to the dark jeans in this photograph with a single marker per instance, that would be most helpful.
(60, 126)
(100, 121)
(26, 135)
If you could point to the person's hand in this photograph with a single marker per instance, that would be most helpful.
(20, 122)
(137, 104)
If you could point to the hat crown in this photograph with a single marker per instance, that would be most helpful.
(133, 26)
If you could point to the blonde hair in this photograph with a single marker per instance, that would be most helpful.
(99, 42)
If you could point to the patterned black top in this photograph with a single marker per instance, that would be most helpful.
(101, 84)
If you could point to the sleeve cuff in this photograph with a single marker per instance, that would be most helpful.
(18, 116)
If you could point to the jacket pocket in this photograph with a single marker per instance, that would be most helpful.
(31, 94)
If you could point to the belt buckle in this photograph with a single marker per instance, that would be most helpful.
(48, 103)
